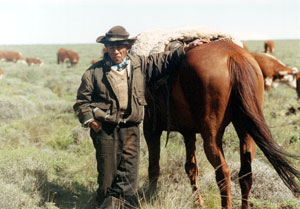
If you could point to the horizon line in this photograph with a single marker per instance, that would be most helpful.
(79, 43)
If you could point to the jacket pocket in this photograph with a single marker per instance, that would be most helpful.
(137, 112)
(99, 114)
(102, 106)
(140, 97)
(101, 111)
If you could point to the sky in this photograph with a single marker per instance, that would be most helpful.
(82, 21)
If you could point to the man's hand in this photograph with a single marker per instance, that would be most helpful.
(194, 43)
(95, 125)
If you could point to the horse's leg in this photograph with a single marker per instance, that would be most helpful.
(191, 167)
(153, 143)
(247, 149)
(212, 141)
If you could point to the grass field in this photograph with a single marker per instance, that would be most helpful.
(47, 159)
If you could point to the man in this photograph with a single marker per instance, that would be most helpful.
(110, 100)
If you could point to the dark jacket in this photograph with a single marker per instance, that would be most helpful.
(96, 98)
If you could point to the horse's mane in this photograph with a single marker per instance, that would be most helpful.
(155, 41)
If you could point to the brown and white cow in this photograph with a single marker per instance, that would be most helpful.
(67, 55)
(33, 61)
(274, 71)
(11, 56)
(269, 46)
(1, 73)
(298, 85)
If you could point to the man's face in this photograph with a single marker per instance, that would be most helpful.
(117, 52)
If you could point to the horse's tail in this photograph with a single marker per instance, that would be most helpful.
(246, 102)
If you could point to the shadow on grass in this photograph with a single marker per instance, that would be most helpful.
(67, 199)
(63, 196)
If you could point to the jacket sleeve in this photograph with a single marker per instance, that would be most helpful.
(158, 65)
(82, 107)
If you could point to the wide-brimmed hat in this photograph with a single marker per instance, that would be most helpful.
(116, 34)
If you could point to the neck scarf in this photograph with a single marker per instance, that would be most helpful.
(121, 66)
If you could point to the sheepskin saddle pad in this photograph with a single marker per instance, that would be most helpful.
(155, 41)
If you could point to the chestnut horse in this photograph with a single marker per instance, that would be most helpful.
(216, 84)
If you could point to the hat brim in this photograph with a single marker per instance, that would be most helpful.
(104, 40)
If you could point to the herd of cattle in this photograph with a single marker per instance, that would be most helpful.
(63, 55)
(13, 56)
(274, 71)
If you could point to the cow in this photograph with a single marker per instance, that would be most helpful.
(1, 73)
(67, 55)
(33, 61)
(274, 71)
(269, 47)
(11, 56)
(298, 85)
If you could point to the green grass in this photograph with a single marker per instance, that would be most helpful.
(47, 159)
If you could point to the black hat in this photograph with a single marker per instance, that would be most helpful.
(116, 34)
